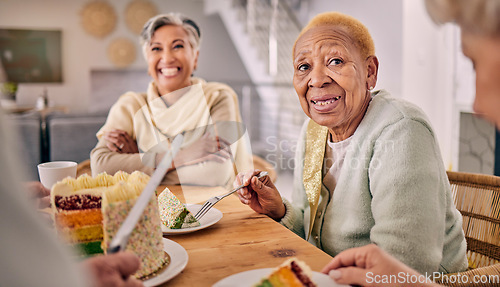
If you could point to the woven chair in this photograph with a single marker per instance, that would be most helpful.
(477, 197)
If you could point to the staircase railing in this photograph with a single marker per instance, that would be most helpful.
(273, 27)
(270, 107)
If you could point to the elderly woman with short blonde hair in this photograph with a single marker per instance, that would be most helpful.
(368, 167)
(479, 21)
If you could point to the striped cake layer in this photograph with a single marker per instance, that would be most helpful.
(64, 197)
(89, 248)
(81, 234)
(78, 218)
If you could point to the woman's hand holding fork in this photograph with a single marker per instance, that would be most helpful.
(261, 195)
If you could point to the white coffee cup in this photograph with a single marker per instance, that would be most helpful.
(54, 171)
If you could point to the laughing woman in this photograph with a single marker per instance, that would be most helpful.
(368, 167)
(140, 126)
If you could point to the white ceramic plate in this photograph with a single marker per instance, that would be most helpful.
(212, 217)
(178, 261)
(252, 277)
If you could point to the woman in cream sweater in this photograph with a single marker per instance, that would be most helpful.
(140, 126)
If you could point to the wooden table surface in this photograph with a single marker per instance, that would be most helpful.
(242, 240)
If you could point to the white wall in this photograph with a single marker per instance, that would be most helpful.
(428, 74)
(82, 53)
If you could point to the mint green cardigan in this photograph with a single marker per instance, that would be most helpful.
(392, 191)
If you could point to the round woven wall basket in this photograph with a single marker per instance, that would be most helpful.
(98, 18)
(137, 13)
(121, 52)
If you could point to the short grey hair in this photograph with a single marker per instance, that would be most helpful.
(479, 16)
(177, 19)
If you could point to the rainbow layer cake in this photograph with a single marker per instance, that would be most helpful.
(89, 211)
(173, 213)
(76, 205)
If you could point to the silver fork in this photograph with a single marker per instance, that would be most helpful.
(213, 200)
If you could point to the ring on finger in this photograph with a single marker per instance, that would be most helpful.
(121, 146)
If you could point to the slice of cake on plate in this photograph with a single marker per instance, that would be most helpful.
(173, 213)
(291, 273)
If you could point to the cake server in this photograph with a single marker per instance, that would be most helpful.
(120, 239)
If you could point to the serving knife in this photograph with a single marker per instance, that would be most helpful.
(120, 240)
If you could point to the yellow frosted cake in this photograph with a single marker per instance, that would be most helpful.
(147, 238)
(88, 212)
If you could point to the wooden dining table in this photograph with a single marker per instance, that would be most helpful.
(242, 240)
